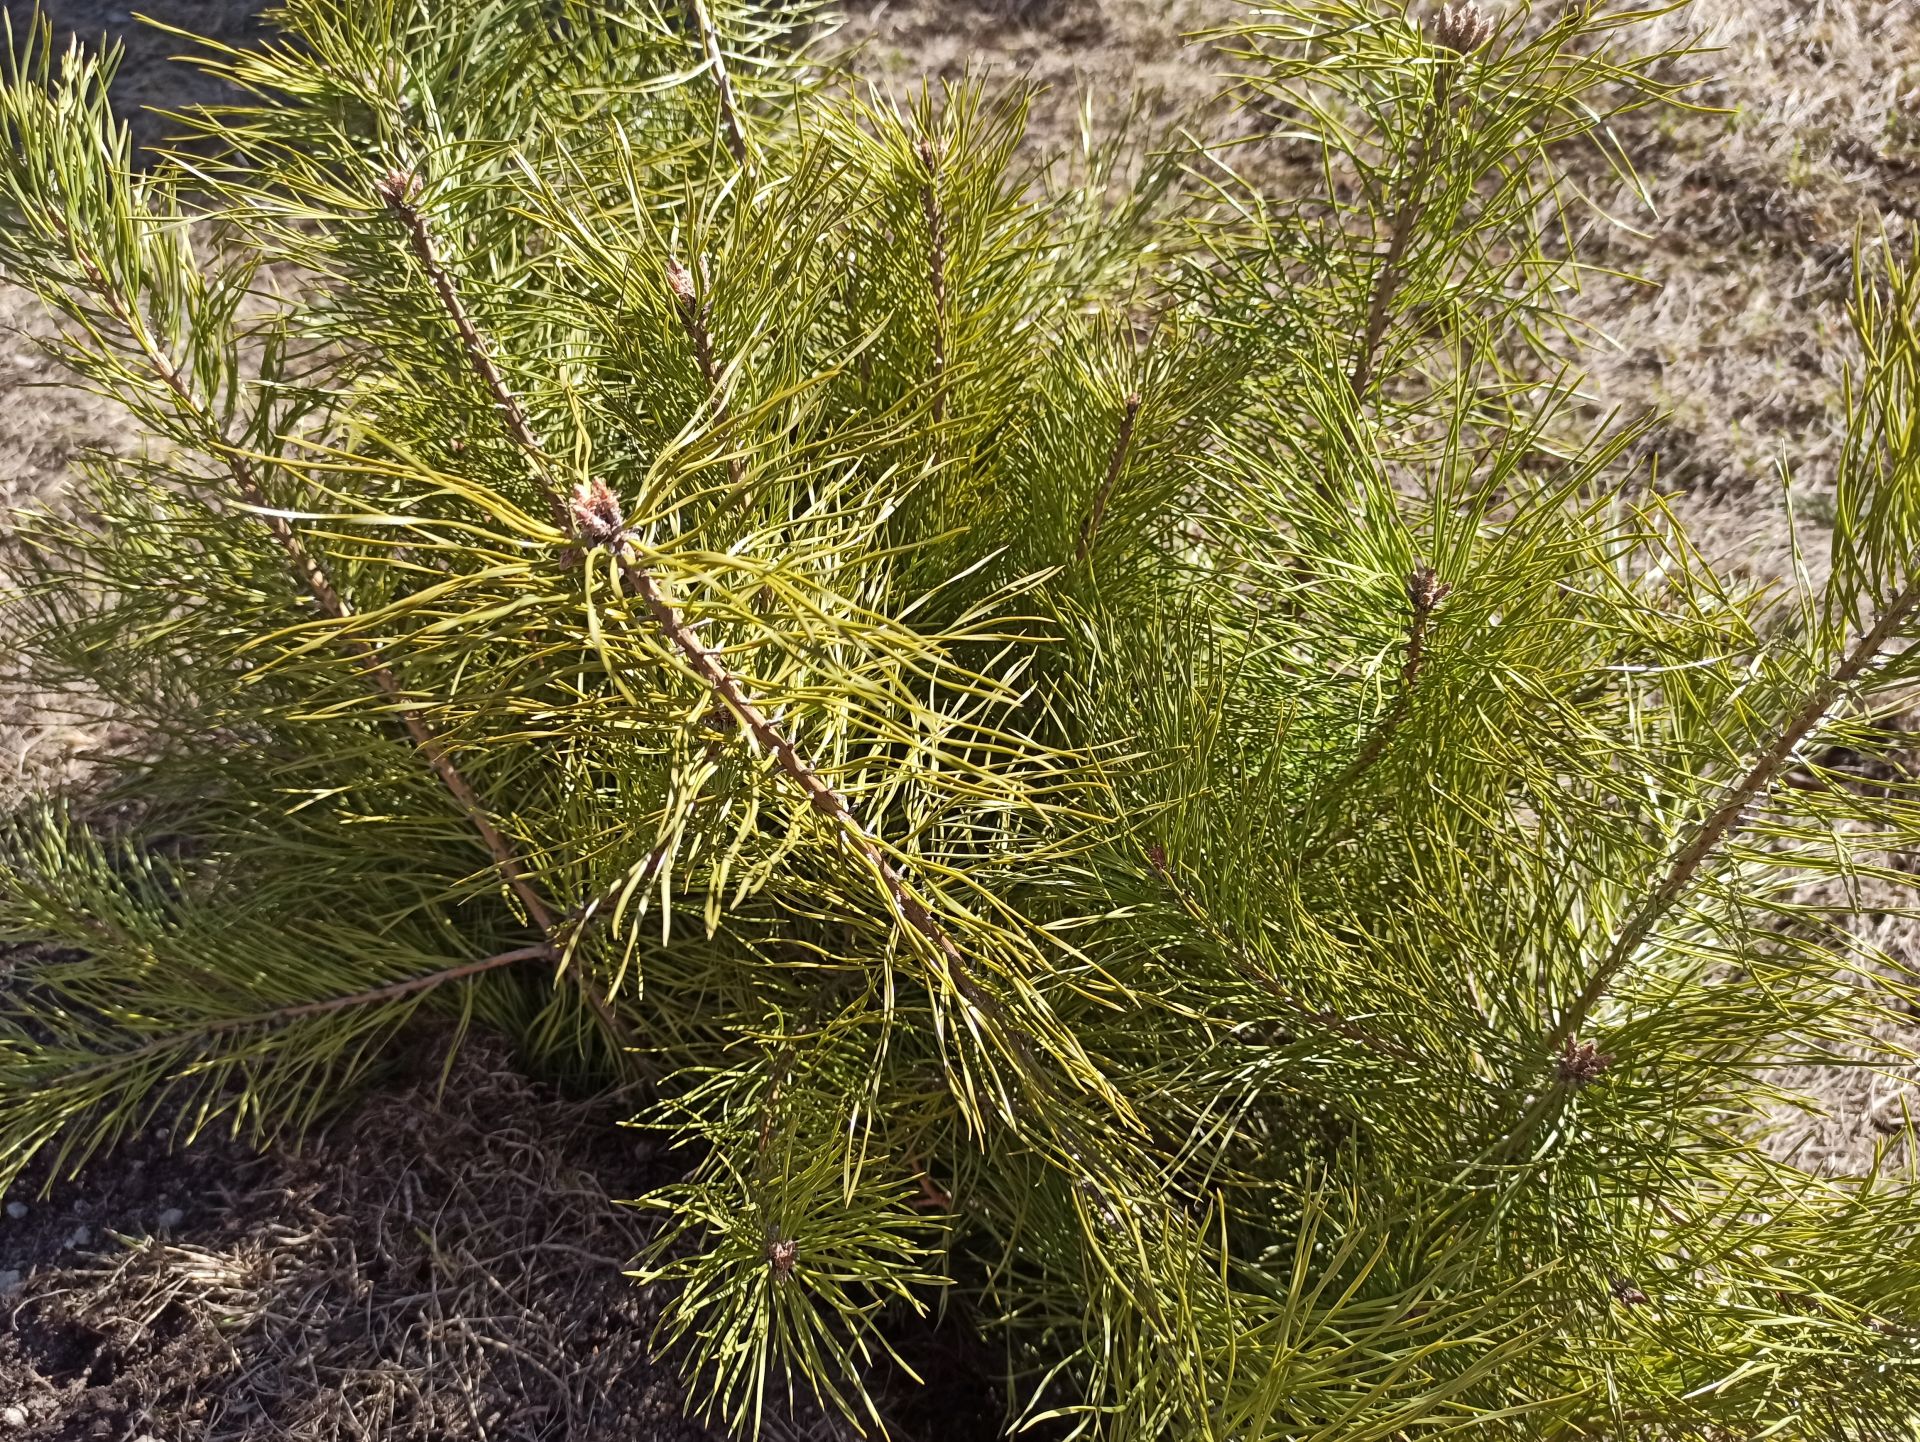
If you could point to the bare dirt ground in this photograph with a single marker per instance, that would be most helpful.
(446, 1264)
(439, 1264)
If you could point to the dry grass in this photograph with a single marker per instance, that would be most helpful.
(437, 1264)
(1736, 331)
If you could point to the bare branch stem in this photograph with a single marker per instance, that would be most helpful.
(1726, 817)
(936, 270)
(1123, 442)
(735, 132)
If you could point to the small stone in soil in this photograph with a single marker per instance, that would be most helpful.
(14, 1416)
(78, 1237)
(17, 1210)
(171, 1218)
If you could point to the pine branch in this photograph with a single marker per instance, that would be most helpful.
(593, 518)
(314, 577)
(693, 320)
(929, 152)
(1727, 816)
(1323, 1017)
(1425, 591)
(372, 996)
(327, 597)
(1461, 31)
(1579, 1062)
(735, 132)
(1090, 527)
(401, 190)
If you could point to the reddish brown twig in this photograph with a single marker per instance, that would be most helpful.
(1724, 817)
(929, 154)
(1123, 442)
(1685, 863)
(401, 189)
(373, 996)
(736, 135)
(1412, 204)
(694, 321)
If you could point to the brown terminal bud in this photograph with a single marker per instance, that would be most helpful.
(1580, 1063)
(929, 153)
(1425, 589)
(596, 513)
(399, 188)
(782, 1252)
(1624, 1291)
(680, 282)
(1460, 28)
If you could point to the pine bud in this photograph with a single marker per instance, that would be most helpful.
(596, 513)
(1425, 589)
(781, 1255)
(680, 282)
(929, 154)
(1461, 28)
(1581, 1064)
(1624, 1291)
(399, 188)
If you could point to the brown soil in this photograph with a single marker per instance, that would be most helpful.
(438, 1263)
(448, 1264)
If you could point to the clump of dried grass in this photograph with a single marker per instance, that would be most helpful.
(440, 1263)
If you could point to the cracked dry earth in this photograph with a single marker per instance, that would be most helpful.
(446, 1262)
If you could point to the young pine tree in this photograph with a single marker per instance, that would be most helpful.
(1096, 739)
